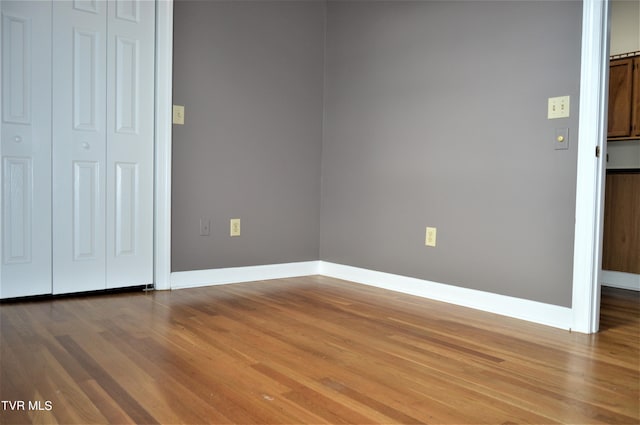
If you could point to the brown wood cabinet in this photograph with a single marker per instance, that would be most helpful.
(621, 239)
(624, 99)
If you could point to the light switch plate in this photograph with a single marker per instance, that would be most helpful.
(558, 107)
(178, 114)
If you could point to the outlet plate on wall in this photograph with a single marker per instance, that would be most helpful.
(234, 227)
(430, 237)
(178, 114)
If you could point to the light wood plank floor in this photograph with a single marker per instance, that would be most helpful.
(309, 350)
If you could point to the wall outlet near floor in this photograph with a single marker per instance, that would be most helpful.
(205, 226)
(430, 238)
(234, 227)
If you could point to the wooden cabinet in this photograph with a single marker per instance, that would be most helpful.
(624, 99)
(635, 110)
(621, 239)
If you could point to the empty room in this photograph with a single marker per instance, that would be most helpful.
(320, 211)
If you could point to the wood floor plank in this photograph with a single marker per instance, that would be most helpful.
(129, 404)
(311, 350)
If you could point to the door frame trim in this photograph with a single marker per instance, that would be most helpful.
(163, 130)
(589, 180)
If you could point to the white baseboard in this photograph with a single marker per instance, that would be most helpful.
(532, 311)
(196, 278)
(620, 280)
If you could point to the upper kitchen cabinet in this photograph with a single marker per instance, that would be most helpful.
(624, 99)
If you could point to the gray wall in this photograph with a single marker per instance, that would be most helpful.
(435, 115)
(250, 75)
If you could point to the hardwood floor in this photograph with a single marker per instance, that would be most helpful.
(309, 350)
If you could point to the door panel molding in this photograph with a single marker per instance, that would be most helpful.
(17, 204)
(90, 6)
(86, 203)
(128, 10)
(85, 79)
(16, 69)
(127, 195)
(127, 85)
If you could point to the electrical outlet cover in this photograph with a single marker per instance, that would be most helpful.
(430, 238)
(234, 227)
(178, 114)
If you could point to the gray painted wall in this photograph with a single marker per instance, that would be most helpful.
(435, 115)
(250, 75)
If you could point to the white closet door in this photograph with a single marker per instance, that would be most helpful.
(130, 106)
(26, 149)
(79, 145)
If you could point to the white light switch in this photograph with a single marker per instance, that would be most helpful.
(178, 114)
(558, 107)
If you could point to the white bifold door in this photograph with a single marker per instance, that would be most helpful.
(25, 268)
(78, 77)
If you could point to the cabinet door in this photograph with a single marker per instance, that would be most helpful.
(636, 98)
(620, 85)
(26, 149)
(621, 238)
(79, 145)
(130, 106)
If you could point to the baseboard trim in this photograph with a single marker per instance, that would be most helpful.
(197, 278)
(518, 308)
(620, 280)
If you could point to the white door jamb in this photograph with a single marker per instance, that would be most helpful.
(589, 188)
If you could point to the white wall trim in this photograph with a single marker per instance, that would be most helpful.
(620, 280)
(589, 184)
(532, 311)
(164, 88)
(197, 278)
(518, 308)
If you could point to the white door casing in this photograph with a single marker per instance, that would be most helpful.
(587, 257)
(163, 128)
(26, 149)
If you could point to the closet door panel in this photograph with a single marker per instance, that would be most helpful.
(25, 260)
(130, 103)
(79, 145)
